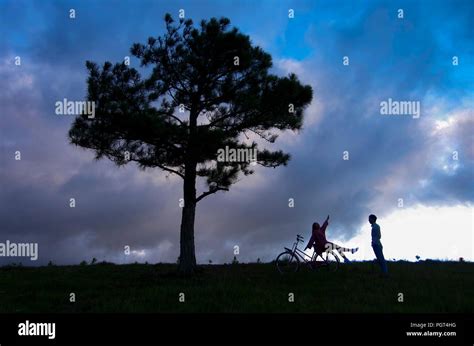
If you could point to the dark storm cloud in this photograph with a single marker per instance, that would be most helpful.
(389, 156)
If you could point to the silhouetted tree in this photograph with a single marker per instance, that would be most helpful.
(208, 88)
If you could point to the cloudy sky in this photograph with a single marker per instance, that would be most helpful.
(427, 162)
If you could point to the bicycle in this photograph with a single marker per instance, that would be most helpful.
(289, 260)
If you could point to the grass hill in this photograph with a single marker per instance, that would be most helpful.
(427, 286)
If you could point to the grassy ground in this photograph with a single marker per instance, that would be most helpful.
(426, 287)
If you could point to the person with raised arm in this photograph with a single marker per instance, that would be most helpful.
(320, 244)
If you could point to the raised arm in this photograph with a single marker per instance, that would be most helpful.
(325, 224)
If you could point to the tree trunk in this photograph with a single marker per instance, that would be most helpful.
(187, 258)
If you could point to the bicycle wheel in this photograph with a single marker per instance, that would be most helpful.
(287, 262)
(331, 261)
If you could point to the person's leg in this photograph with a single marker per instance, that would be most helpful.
(378, 250)
(377, 254)
(346, 249)
(340, 250)
(383, 262)
(314, 260)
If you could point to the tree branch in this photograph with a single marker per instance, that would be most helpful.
(175, 117)
(170, 170)
(210, 192)
(157, 165)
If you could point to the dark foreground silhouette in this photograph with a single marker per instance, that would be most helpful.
(427, 286)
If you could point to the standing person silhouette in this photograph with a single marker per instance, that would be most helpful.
(377, 245)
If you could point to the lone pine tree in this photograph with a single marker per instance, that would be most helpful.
(209, 86)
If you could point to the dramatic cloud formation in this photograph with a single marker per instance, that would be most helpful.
(426, 163)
